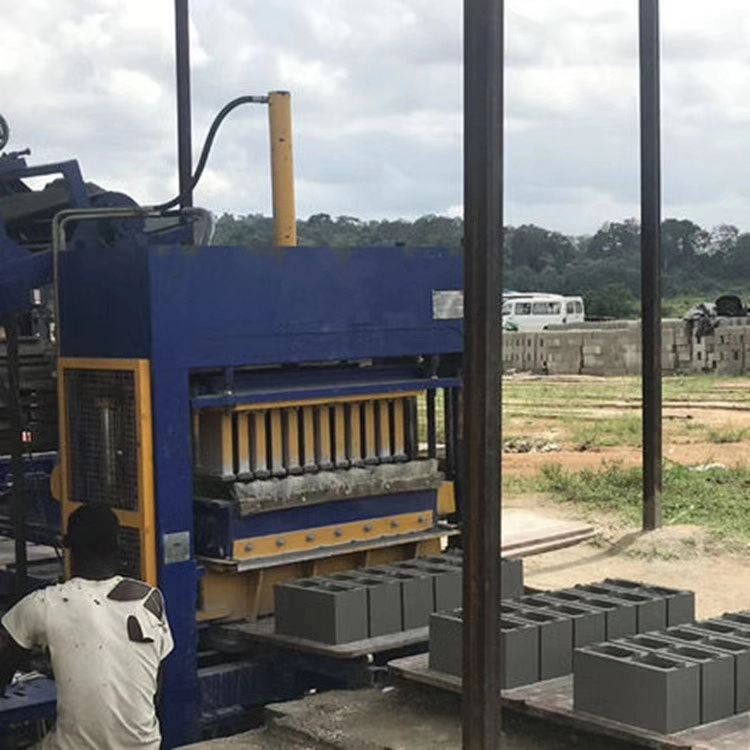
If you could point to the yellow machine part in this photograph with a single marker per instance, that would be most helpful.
(107, 404)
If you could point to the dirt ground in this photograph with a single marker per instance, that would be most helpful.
(693, 454)
(671, 557)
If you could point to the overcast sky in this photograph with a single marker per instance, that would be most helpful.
(376, 88)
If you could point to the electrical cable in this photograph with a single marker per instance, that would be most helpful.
(208, 144)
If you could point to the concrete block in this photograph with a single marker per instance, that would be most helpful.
(621, 616)
(384, 614)
(645, 690)
(417, 594)
(555, 634)
(447, 582)
(740, 618)
(446, 642)
(511, 572)
(325, 611)
(519, 649)
(651, 610)
(683, 634)
(511, 577)
(740, 650)
(589, 625)
(717, 680)
(680, 604)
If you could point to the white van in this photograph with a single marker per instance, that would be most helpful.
(574, 310)
(537, 312)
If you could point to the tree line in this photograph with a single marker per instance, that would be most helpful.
(604, 267)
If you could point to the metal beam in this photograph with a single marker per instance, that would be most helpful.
(651, 265)
(483, 219)
(184, 116)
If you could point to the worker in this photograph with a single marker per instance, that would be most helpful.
(107, 638)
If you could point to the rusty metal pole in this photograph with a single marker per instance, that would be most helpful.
(651, 265)
(184, 116)
(483, 248)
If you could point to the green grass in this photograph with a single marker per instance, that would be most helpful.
(715, 499)
(588, 434)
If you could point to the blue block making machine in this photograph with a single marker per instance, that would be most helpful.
(252, 415)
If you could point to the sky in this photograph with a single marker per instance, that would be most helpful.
(377, 103)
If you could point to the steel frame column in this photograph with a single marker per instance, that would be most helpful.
(483, 219)
(15, 414)
(184, 116)
(651, 267)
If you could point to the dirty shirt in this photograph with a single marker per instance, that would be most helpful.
(105, 656)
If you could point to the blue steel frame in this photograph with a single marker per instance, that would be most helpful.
(201, 308)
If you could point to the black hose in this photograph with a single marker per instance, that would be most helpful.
(208, 143)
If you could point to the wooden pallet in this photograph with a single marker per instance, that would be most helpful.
(552, 700)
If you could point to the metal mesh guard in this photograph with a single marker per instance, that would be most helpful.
(102, 437)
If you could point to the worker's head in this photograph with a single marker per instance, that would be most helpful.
(92, 537)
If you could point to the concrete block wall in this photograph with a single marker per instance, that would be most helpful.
(616, 349)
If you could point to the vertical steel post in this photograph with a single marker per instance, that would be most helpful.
(651, 266)
(282, 169)
(16, 429)
(483, 248)
(184, 121)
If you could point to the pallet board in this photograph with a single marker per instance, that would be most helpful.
(552, 701)
(525, 533)
(263, 631)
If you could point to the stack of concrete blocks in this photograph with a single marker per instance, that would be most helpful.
(670, 680)
(600, 349)
(371, 602)
(559, 352)
(563, 621)
(729, 343)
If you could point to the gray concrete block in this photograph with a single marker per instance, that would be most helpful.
(651, 610)
(446, 642)
(325, 611)
(384, 614)
(742, 619)
(589, 625)
(740, 650)
(555, 641)
(680, 604)
(621, 616)
(417, 594)
(511, 573)
(511, 577)
(447, 582)
(650, 642)
(717, 680)
(683, 634)
(519, 650)
(645, 690)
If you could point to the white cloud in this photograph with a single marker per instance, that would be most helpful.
(377, 97)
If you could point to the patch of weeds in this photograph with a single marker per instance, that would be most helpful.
(714, 499)
(728, 436)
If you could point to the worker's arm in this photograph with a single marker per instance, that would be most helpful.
(12, 656)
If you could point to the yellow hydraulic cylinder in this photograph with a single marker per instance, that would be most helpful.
(282, 169)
